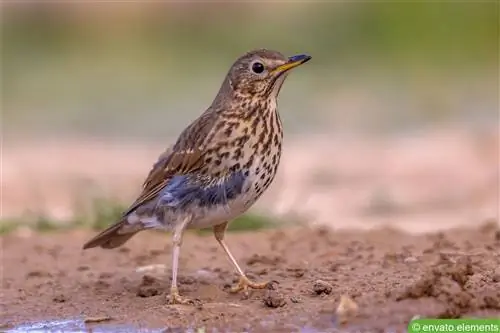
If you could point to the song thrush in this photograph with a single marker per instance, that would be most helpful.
(218, 167)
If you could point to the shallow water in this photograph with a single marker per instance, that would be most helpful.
(78, 325)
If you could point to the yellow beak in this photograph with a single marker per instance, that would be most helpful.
(293, 62)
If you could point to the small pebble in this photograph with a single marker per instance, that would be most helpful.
(274, 299)
(322, 287)
(410, 260)
(60, 298)
(38, 274)
(147, 291)
(496, 275)
(148, 280)
(347, 308)
(97, 319)
(151, 268)
(105, 275)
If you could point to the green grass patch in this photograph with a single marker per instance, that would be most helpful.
(45, 224)
(39, 223)
(251, 222)
(101, 213)
(7, 226)
(246, 222)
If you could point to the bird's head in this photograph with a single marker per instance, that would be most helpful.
(261, 73)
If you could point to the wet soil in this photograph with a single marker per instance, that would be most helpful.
(384, 278)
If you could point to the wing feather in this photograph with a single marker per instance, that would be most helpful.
(186, 156)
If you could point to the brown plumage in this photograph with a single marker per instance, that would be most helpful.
(219, 166)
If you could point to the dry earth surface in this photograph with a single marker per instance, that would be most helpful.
(390, 275)
(403, 228)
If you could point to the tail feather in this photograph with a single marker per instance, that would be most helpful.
(112, 237)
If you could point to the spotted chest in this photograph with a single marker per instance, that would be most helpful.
(250, 144)
(240, 162)
(238, 168)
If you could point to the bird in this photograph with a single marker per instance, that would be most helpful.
(218, 167)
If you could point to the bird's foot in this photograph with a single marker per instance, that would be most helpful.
(176, 298)
(245, 284)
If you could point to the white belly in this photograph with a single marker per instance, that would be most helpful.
(208, 217)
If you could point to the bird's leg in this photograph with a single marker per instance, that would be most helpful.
(244, 283)
(174, 297)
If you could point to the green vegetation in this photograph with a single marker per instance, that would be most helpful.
(40, 224)
(99, 74)
(246, 222)
(7, 226)
(250, 222)
(104, 212)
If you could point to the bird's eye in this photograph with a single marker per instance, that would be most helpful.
(257, 67)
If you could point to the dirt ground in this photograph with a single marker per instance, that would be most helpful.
(390, 275)
(399, 227)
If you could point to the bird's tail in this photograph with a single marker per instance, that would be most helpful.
(114, 236)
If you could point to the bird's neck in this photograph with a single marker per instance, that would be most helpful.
(225, 94)
(230, 100)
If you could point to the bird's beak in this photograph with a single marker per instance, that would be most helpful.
(292, 62)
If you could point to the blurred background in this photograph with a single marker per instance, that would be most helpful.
(394, 121)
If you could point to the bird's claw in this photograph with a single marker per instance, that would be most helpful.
(244, 284)
(175, 298)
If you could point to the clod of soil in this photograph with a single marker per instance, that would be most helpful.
(459, 284)
(148, 287)
(265, 260)
(89, 320)
(496, 275)
(321, 287)
(60, 298)
(274, 299)
(37, 274)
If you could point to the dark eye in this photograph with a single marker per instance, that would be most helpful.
(257, 67)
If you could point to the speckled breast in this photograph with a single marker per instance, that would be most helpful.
(238, 167)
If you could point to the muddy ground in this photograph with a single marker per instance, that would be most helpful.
(390, 275)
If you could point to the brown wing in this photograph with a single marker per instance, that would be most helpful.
(185, 156)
